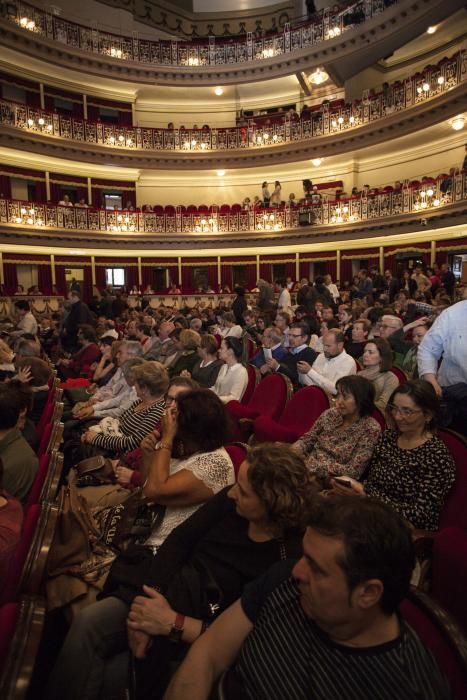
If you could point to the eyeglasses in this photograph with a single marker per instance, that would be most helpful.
(295, 335)
(170, 399)
(404, 411)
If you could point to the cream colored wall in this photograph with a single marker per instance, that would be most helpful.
(19, 188)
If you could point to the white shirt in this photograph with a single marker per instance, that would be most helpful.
(333, 290)
(325, 372)
(231, 382)
(447, 338)
(233, 332)
(285, 302)
(27, 324)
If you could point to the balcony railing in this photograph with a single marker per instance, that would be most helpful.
(329, 120)
(417, 198)
(204, 52)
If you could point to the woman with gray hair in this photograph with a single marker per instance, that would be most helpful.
(229, 326)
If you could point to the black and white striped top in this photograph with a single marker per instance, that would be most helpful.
(133, 426)
(288, 657)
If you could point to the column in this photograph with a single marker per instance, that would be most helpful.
(52, 269)
(433, 253)
(1, 268)
(381, 260)
(89, 192)
(133, 115)
(93, 270)
(47, 186)
(41, 95)
(179, 270)
(257, 267)
(140, 272)
(297, 266)
(85, 107)
(219, 276)
(338, 267)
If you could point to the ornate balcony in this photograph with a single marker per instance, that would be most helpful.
(176, 227)
(326, 129)
(349, 40)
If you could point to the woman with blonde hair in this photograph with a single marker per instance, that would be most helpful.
(188, 343)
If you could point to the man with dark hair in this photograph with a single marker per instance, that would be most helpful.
(330, 365)
(79, 314)
(27, 323)
(326, 628)
(19, 461)
(299, 337)
(80, 363)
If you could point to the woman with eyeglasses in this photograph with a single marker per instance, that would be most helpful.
(411, 469)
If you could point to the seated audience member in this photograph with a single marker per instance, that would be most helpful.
(65, 201)
(345, 317)
(299, 337)
(411, 469)
(11, 520)
(187, 356)
(173, 289)
(79, 364)
(232, 379)
(107, 365)
(330, 622)
(81, 204)
(206, 369)
(229, 328)
(331, 287)
(282, 322)
(196, 324)
(250, 326)
(27, 346)
(143, 335)
(7, 366)
(39, 372)
(330, 365)
(151, 382)
(27, 322)
(232, 539)
(377, 362)
(180, 471)
(163, 346)
(355, 346)
(272, 344)
(18, 459)
(409, 363)
(343, 438)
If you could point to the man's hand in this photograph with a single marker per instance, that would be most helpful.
(151, 613)
(434, 383)
(139, 643)
(272, 364)
(303, 367)
(85, 412)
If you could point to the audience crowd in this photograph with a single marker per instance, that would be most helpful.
(189, 557)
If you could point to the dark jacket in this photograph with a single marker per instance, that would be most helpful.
(239, 306)
(288, 365)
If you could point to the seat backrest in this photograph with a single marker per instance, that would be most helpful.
(18, 560)
(45, 417)
(271, 395)
(440, 634)
(304, 408)
(32, 576)
(455, 511)
(45, 439)
(23, 648)
(53, 476)
(449, 573)
(400, 374)
(254, 377)
(237, 453)
(39, 480)
(9, 614)
(379, 416)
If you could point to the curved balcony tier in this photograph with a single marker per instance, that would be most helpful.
(418, 102)
(172, 228)
(343, 45)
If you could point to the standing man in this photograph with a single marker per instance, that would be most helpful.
(79, 315)
(448, 280)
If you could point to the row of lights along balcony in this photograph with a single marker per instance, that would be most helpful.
(414, 199)
(210, 51)
(413, 91)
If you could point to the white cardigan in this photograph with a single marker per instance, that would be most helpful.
(231, 382)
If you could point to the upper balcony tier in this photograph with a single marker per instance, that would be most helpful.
(438, 201)
(405, 106)
(346, 42)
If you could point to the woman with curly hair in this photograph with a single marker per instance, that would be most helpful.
(201, 568)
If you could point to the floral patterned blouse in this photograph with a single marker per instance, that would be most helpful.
(414, 482)
(332, 448)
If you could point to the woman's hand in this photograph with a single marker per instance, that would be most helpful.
(355, 488)
(151, 613)
(139, 642)
(88, 437)
(124, 475)
(24, 374)
(169, 423)
(148, 444)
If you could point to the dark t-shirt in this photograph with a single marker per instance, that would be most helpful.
(288, 656)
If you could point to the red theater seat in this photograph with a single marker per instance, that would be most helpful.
(254, 377)
(237, 453)
(299, 416)
(454, 512)
(449, 573)
(268, 399)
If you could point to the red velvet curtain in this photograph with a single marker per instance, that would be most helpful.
(304, 270)
(251, 277)
(86, 286)
(100, 277)
(60, 280)
(131, 276)
(55, 192)
(346, 272)
(44, 278)
(226, 276)
(187, 279)
(96, 194)
(290, 270)
(331, 269)
(147, 277)
(265, 271)
(212, 275)
(10, 277)
(5, 186)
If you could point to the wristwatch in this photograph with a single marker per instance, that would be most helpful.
(175, 634)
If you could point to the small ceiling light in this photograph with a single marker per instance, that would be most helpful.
(440, 80)
(41, 121)
(426, 87)
(319, 77)
(340, 120)
(431, 30)
(30, 122)
(219, 91)
(458, 123)
(316, 162)
(31, 25)
(430, 192)
(24, 21)
(351, 120)
(220, 173)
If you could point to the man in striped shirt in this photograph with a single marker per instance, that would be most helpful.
(325, 628)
